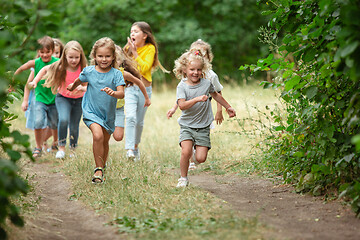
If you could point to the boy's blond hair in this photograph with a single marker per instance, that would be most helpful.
(182, 62)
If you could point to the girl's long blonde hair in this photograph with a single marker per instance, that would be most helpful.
(190, 55)
(108, 43)
(145, 27)
(56, 74)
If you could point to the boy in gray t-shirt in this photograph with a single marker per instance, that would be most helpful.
(193, 99)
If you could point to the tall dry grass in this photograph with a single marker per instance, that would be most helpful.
(141, 198)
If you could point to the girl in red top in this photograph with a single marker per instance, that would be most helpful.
(58, 76)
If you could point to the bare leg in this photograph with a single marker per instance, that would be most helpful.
(186, 152)
(39, 137)
(201, 153)
(100, 146)
(118, 134)
(105, 145)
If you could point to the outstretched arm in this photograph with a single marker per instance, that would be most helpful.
(131, 78)
(38, 77)
(25, 66)
(231, 112)
(119, 93)
(219, 118)
(183, 105)
(25, 103)
(74, 85)
(171, 111)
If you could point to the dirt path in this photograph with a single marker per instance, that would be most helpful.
(290, 215)
(58, 217)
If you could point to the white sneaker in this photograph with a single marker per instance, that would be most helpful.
(182, 182)
(60, 154)
(192, 166)
(130, 155)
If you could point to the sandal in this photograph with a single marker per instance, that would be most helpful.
(36, 153)
(98, 179)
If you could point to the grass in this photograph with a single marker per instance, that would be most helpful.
(141, 197)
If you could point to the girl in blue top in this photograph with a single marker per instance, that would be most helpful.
(105, 86)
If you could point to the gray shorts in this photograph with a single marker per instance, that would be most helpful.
(199, 136)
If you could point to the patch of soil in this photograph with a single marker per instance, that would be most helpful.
(58, 217)
(289, 215)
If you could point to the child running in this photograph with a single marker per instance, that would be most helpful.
(210, 75)
(143, 48)
(205, 49)
(44, 110)
(193, 99)
(128, 67)
(68, 104)
(105, 85)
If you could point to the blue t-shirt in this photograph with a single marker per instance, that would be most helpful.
(98, 107)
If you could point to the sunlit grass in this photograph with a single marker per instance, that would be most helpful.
(141, 197)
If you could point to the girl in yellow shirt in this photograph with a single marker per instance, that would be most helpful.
(143, 48)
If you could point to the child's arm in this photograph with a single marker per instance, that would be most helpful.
(219, 118)
(25, 103)
(224, 103)
(74, 85)
(38, 77)
(131, 78)
(183, 105)
(119, 93)
(25, 66)
(171, 111)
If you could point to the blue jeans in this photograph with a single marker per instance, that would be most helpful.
(45, 115)
(70, 111)
(134, 115)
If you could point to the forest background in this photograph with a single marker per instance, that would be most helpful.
(312, 48)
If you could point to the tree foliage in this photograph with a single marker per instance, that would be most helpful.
(320, 87)
(20, 23)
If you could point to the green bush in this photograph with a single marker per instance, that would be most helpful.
(317, 143)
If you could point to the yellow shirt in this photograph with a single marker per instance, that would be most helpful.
(146, 60)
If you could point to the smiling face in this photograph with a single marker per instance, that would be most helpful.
(137, 36)
(45, 54)
(104, 58)
(73, 59)
(193, 71)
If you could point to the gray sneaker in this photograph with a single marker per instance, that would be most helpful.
(137, 155)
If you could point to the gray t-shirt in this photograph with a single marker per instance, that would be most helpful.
(200, 114)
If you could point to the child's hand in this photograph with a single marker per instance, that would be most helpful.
(231, 112)
(170, 113)
(70, 87)
(147, 102)
(202, 98)
(32, 85)
(219, 117)
(108, 91)
(24, 105)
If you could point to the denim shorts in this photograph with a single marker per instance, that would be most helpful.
(119, 117)
(199, 136)
(45, 115)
